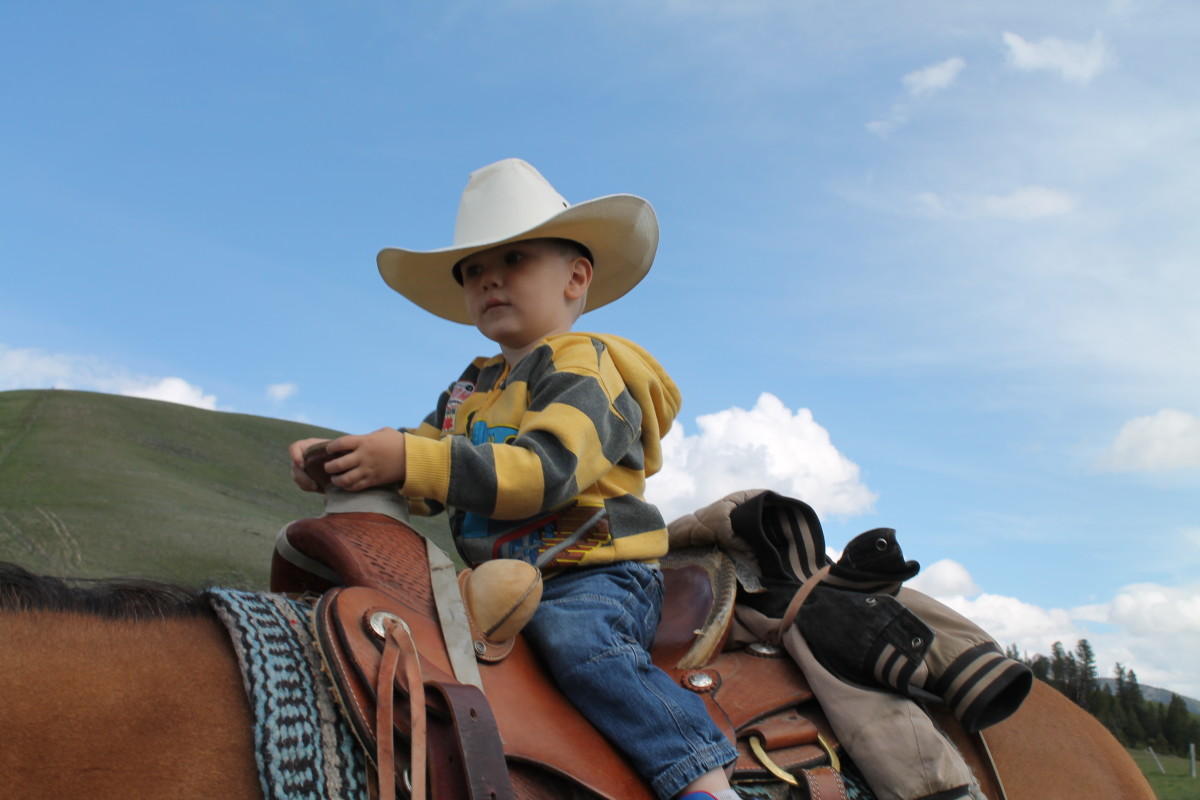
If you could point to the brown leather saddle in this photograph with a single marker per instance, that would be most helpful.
(378, 625)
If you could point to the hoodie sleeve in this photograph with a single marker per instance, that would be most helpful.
(424, 506)
(431, 429)
(564, 420)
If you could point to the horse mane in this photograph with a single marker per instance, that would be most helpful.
(123, 599)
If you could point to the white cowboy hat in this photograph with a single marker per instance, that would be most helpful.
(509, 201)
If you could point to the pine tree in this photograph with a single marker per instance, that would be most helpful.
(1129, 699)
(1085, 675)
(1102, 706)
(1062, 669)
(1115, 718)
(1147, 721)
(1177, 725)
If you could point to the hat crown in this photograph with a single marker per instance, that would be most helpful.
(502, 200)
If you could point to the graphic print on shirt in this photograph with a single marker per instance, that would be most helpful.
(459, 392)
(525, 540)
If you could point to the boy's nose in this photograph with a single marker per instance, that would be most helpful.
(490, 277)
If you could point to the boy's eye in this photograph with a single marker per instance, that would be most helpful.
(472, 271)
(513, 256)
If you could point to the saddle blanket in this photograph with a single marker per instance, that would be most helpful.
(304, 747)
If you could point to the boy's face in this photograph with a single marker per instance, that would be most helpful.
(517, 294)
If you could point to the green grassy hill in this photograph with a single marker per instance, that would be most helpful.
(95, 485)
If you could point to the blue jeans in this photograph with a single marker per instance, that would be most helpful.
(593, 630)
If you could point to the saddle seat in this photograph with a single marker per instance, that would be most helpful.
(366, 562)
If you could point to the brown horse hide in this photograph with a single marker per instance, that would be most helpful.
(112, 709)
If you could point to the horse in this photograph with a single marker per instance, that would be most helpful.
(120, 689)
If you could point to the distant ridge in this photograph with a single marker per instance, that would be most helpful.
(97, 485)
(1154, 694)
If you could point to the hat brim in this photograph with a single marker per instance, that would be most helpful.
(620, 231)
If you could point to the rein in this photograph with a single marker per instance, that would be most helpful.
(798, 599)
(399, 649)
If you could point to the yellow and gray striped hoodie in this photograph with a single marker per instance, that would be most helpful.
(523, 457)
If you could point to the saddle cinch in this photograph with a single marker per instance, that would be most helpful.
(514, 734)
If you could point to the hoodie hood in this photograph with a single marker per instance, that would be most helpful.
(652, 388)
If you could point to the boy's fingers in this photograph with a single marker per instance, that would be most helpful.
(345, 480)
(298, 449)
(342, 464)
(346, 446)
(342, 443)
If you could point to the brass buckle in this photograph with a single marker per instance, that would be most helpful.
(756, 746)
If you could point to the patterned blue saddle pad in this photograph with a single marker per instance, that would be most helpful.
(304, 747)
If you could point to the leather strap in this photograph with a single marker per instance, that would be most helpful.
(783, 730)
(480, 771)
(793, 608)
(990, 763)
(452, 616)
(399, 646)
(824, 783)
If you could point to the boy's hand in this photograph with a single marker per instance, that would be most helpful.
(296, 452)
(369, 460)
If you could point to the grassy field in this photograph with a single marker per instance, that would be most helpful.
(96, 485)
(1176, 783)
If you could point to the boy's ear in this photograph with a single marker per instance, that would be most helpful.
(581, 278)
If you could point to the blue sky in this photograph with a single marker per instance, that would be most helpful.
(931, 267)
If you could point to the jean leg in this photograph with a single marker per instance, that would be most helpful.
(593, 630)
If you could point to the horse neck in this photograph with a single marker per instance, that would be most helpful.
(104, 709)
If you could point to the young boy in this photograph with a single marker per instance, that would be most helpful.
(553, 440)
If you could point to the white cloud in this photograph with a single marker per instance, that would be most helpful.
(767, 447)
(279, 392)
(1153, 629)
(173, 390)
(1078, 62)
(1028, 202)
(945, 578)
(882, 127)
(934, 77)
(30, 368)
(1097, 612)
(918, 83)
(1162, 442)
(1156, 611)
(33, 369)
(930, 204)
(1025, 203)
(1031, 628)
